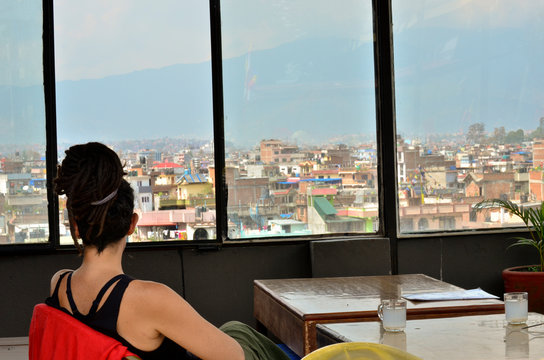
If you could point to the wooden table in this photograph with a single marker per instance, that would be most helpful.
(466, 337)
(291, 308)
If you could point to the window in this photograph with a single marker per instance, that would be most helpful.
(138, 78)
(297, 93)
(23, 189)
(290, 72)
(468, 108)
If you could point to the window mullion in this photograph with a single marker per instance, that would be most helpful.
(218, 119)
(50, 120)
(385, 116)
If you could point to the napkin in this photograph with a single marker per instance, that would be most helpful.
(451, 295)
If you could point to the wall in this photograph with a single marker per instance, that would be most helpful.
(469, 262)
(25, 280)
(218, 283)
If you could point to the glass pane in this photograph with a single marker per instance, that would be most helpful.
(136, 76)
(469, 110)
(300, 125)
(23, 193)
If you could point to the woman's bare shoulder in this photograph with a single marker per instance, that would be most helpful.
(152, 299)
(150, 289)
(55, 278)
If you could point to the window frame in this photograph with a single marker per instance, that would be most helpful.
(385, 140)
(50, 121)
(48, 60)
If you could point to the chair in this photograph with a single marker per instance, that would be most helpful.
(359, 351)
(56, 335)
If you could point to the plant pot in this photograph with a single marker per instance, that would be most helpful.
(519, 278)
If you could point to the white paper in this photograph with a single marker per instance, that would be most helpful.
(452, 295)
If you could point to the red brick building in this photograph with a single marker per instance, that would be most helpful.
(490, 185)
(275, 151)
(536, 184)
(538, 153)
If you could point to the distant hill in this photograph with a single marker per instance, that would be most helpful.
(22, 115)
(448, 79)
(171, 101)
(291, 95)
(309, 91)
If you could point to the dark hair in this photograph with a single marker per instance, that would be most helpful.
(88, 174)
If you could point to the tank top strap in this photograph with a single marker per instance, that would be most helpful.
(113, 302)
(57, 286)
(53, 300)
(73, 305)
(102, 291)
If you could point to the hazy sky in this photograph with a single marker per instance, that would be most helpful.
(94, 39)
(100, 38)
(467, 14)
(90, 34)
(20, 42)
(97, 38)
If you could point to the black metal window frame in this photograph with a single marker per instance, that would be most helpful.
(383, 63)
(385, 124)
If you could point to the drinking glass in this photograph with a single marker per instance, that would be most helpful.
(516, 307)
(392, 313)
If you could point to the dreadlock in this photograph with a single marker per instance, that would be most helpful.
(90, 174)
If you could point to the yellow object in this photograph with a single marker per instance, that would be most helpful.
(359, 351)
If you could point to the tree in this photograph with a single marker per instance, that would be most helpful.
(515, 137)
(539, 132)
(499, 134)
(476, 133)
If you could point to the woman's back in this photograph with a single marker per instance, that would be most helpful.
(105, 308)
(146, 315)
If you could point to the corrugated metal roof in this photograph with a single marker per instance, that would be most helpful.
(323, 206)
(166, 165)
(324, 191)
(166, 217)
(157, 218)
(192, 178)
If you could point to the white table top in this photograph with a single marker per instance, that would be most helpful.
(467, 337)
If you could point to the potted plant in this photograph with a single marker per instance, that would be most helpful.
(529, 278)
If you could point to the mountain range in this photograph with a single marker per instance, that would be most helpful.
(309, 91)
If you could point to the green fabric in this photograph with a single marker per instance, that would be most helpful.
(256, 346)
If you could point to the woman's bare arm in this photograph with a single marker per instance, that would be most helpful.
(170, 315)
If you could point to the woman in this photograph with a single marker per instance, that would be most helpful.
(149, 318)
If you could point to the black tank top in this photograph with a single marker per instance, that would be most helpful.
(104, 319)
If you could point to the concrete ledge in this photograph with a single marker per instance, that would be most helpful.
(14, 341)
(14, 348)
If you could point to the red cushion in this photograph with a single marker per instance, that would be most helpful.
(55, 335)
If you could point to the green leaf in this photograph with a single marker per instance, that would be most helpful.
(533, 218)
